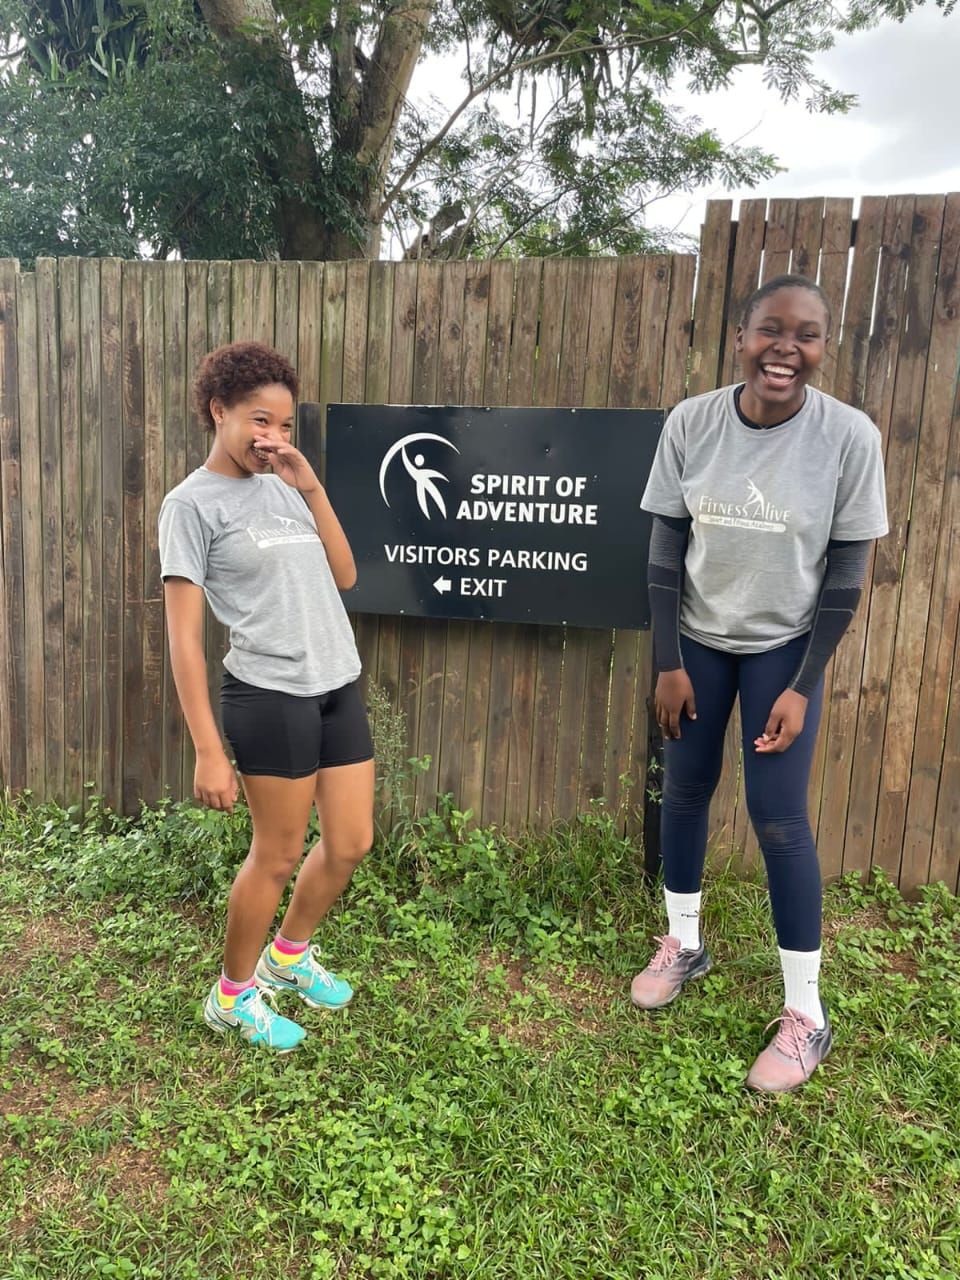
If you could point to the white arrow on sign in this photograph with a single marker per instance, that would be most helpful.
(443, 584)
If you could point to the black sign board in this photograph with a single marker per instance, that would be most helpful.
(511, 515)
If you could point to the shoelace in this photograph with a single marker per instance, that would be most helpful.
(665, 955)
(262, 1016)
(793, 1035)
(318, 968)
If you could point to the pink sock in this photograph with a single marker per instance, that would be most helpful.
(230, 990)
(287, 948)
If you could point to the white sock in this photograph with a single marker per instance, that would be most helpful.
(683, 912)
(801, 983)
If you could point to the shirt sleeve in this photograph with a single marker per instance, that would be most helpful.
(668, 547)
(663, 495)
(843, 579)
(860, 511)
(184, 542)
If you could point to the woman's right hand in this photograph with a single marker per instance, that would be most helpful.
(673, 697)
(214, 780)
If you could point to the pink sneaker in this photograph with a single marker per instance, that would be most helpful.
(793, 1055)
(666, 973)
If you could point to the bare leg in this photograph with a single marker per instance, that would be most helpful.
(280, 808)
(344, 796)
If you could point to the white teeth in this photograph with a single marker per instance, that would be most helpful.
(779, 369)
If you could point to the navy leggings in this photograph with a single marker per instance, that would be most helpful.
(776, 785)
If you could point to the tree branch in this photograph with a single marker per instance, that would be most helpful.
(764, 15)
(466, 41)
(232, 18)
(345, 90)
(391, 67)
(511, 67)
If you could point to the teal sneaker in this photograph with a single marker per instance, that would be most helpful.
(255, 1019)
(314, 984)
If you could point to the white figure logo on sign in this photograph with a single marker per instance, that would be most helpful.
(423, 477)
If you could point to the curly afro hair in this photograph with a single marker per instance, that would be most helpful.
(232, 373)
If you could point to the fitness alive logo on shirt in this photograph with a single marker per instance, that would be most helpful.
(755, 513)
(284, 529)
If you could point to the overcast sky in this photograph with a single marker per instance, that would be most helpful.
(903, 136)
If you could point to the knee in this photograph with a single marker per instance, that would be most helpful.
(275, 859)
(349, 850)
(783, 835)
(685, 797)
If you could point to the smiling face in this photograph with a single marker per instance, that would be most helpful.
(265, 415)
(781, 346)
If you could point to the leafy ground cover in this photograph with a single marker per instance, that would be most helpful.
(490, 1107)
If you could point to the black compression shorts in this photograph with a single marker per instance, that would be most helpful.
(286, 736)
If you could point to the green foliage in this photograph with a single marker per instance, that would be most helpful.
(395, 770)
(171, 852)
(490, 1107)
(574, 197)
(173, 154)
(106, 37)
(131, 128)
(549, 895)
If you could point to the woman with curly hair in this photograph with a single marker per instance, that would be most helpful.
(253, 531)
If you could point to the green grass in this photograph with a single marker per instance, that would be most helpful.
(490, 1106)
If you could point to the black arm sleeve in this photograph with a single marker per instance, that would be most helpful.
(668, 547)
(836, 605)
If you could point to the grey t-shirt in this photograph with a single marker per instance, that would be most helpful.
(254, 548)
(764, 504)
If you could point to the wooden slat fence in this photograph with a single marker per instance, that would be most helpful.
(524, 724)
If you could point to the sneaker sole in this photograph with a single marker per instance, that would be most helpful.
(701, 971)
(318, 1004)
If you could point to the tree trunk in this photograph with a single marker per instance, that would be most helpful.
(366, 98)
(365, 109)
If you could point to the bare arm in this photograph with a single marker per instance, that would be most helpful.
(339, 555)
(214, 781)
(293, 469)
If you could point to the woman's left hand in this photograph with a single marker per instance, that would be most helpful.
(290, 465)
(784, 723)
